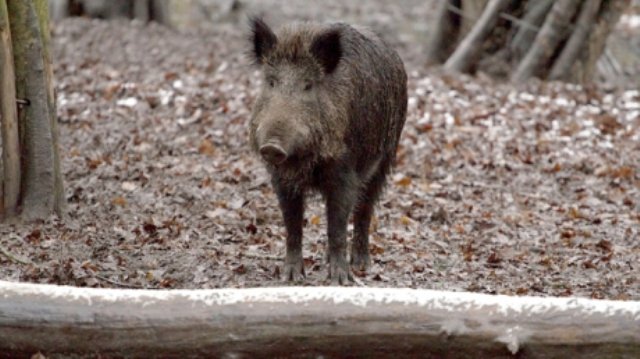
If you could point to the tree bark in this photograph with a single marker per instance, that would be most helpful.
(552, 33)
(310, 322)
(464, 56)
(610, 13)
(159, 12)
(41, 187)
(471, 11)
(441, 29)
(10, 190)
(561, 69)
(525, 35)
(141, 10)
(45, 38)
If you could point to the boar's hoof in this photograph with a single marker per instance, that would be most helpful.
(339, 272)
(273, 153)
(294, 270)
(360, 262)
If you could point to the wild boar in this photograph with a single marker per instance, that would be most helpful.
(328, 119)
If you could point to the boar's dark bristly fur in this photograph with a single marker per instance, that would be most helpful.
(328, 119)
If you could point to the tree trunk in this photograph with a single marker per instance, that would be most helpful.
(159, 12)
(45, 37)
(465, 54)
(611, 10)
(143, 10)
(471, 11)
(10, 189)
(525, 35)
(441, 32)
(552, 33)
(41, 189)
(310, 322)
(519, 39)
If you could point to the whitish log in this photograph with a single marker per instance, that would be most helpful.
(561, 69)
(40, 191)
(310, 322)
(10, 190)
(554, 30)
(464, 56)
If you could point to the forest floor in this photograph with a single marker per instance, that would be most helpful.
(531, 190)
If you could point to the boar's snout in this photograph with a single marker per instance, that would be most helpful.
(273, 153)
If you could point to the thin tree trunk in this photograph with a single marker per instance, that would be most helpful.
(45, 33)
(552, 33)
(561, 69)
(471, 11)
(159, 12)
(610, 13)
(440, 28)
(41, 187)
(10, 191)
(525, 35)
(464, 56)
(141, 10)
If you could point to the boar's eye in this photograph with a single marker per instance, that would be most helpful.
(308, 86)
(271, 82)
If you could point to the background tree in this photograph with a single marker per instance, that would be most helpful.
(144, 10)
(31, 178)
(519, 39)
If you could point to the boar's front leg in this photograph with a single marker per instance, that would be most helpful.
(341, 194)
(292, 207)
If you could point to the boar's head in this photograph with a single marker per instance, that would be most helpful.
(300, 114)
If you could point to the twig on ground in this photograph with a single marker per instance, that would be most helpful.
(119, 284)
(13, 257)
(264, 257)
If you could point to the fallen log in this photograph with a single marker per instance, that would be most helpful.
(309, 322)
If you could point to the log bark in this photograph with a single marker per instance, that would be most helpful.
(464, 56)
(554, 31)
(310, 322)
(41, 182)
(10, 190)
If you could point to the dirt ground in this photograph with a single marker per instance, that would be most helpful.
(532, 190)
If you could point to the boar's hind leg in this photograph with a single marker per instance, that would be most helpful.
(362, 219)
(341, 196)
(292, 207)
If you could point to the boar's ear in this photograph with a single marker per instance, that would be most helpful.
(327, 49)
(263, 38)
